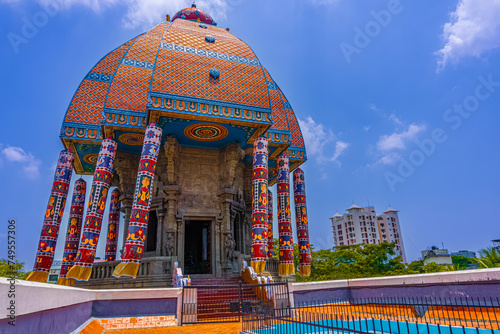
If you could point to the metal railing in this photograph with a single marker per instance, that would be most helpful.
(226, 303)
(381, 316)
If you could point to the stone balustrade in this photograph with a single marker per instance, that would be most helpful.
(153, 272)
(272, 266)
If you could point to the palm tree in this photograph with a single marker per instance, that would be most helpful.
(490, 258)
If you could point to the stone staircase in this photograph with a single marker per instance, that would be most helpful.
(220, 299)
(210, 280)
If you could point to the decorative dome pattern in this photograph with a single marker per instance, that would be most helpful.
(164, 76)
(194, 14)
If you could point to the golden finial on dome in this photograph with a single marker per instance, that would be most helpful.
(168, 18)
(193, 5)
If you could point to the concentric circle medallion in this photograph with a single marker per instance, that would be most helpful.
(206, 132)
(133, 139)
(90, 158)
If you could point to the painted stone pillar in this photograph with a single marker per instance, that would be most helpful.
(259, 205)
(270, 239)
(73, 232)
(52, 218)
(286, 266)
(113, 226)
(95, 210)
(139, 217)
(299, 190)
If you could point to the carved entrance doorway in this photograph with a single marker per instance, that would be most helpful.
(197, 251)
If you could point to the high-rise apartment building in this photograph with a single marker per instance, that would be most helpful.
(363, 225)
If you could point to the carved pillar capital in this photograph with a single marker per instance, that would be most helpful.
(161, 212)
(179, 223)
(218, 223)
(171, 191)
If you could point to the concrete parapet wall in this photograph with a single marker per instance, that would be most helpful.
(481, 283)
(61, 309)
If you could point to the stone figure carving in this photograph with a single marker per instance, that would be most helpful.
(170, 244)
(172, 151)
(240, 197)
(229, 246)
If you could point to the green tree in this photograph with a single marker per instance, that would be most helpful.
(14, 270)
(362, 260)
(415, 267)
(432, 267)
(276, 248)
(461, 262)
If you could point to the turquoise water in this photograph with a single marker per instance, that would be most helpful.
(373, 326)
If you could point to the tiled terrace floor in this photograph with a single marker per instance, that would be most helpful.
(156, 325)
(226, 328)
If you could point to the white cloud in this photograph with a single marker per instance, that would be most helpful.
(144, 12)
(374, 107)
(340, 147)
(397, 140)
(317, 140)
(395, 119)
(151, 12)
(389, 159)
(30, 164)
(367, 128)
(473, 30)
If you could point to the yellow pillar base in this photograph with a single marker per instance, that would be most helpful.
(126, 269)
(80, 273)
(305, 270)
(258, 266)
(65, 281)
(38, 276)
(286, 269)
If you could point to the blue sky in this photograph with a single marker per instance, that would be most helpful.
(398, 102)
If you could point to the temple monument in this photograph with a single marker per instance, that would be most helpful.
(186, 130)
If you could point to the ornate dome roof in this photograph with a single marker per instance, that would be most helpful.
(205, 86)
(194, 14)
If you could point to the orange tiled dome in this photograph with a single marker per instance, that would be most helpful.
(181, 71)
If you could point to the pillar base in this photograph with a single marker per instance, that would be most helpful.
(286, 269)
(80, 273)
(305, 270)
(129, 269)
(258, 266)
(65, 281)
(38, 276)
